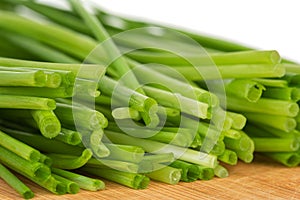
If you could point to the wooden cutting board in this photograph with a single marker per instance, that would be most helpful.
(263, 179)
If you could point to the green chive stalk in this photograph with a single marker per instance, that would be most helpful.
(113, 164)
(244, 143)
(74, 115)
(16, 163)
(221, 171)
(136, 100)
(288, 93)
(166, 174)
(245, 88)
(26, 102)
(61, 92)
(232, 133)
(125, 153)
(41, 143)
(45, 160)
(12, 78)
(15, 183)
(205, 173)
(241, 71)
(177, 101)
(64, 161)
(187, 155)
(91, 71)
(69, 137)
(280, 122)
(189, 171)
(47, 122)
(289, 159)
(126, 113)
(132, 180)
(24, 151)
(228, 58)
(271, 82)
(153, 162)
(72, 187)
(228, 157)
(174, 136)
(263, 106)
(50, 184)
(275, 144)
(84, 182)
(145, 74)
(120, 64)
(238, 120)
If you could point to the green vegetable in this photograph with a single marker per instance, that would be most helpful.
(84, 182)
(189, 172)
(19, 148)
(275, 144)
(26, 102)
(132, 180)
(13, 78)
(221, 171)
(15, 183)
(72, 187)
(123, 166)
(64, 161)
(16, 163)
(166, 174)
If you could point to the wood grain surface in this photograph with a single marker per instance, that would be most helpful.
(263, 179)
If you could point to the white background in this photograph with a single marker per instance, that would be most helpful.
(262, 24)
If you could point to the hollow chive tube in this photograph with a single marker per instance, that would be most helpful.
(126, 113)
(80, 116)
(238, 120)
(275, 144)
(153, 162)
(32, 169)
(127, 153)
(61, 92)
(263, 106)
(26, 102)
(187, 155)
(113, 164)
(45, 160)
(50, 184)
(132, 180)
(47, 122)
(289, 159)
(244, 143)
(72, 187)
(186, 105)
(221, 171)
(120, 65)
(166, 174)
(35, 78)
(148, 75)
(91, 71)
(125, 95)
(205, 173)
(280, 122)
(232, 133)
(19, 148)
(69, 137)
(240, 71)
(228, 157)
(65, 161)
(272, 82)
(84, 182)
(220, 119)
(15, 183)
(287, 93)
(41, 143)
(249, 57)
(189, 171)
